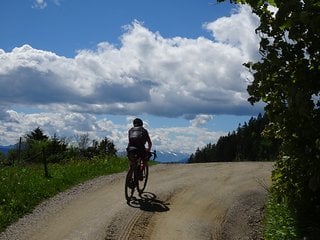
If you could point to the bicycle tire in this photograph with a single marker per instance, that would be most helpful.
(143, 182)
(129, 185)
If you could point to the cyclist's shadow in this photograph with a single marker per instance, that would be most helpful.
(148, 202)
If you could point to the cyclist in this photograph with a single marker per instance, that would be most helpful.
(138, 137)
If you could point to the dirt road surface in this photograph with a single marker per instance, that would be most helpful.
(192, 201)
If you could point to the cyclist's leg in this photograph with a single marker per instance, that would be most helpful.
(129, 185)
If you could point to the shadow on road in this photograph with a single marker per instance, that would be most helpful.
(148, 201)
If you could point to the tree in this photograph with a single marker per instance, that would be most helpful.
(83, 141)
(102, 149)
(33, 145)
(3, 158)
(36, 135)
(287, 80)
(107, 147)
(248, 143)
(57, 149)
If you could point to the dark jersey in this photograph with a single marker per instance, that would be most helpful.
(138, 136)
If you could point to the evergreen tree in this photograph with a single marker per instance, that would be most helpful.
(107, 147)
(248, 143)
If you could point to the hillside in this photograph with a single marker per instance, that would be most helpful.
(210, 201)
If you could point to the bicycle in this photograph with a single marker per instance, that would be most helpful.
(137, 176)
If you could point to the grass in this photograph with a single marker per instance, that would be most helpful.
(280, 222)
(23, 188)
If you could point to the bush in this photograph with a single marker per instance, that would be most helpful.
(280, 221)
(22, 188)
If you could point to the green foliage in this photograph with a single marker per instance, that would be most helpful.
(248, 143)
(22, 188)
(105, 148)
(36, 135)
(56, 149)
(287, 80)
(280, 221)
(3, 158)
(23, 184)
(35, 146)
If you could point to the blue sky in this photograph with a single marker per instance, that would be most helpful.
(76, 66)
(66, 26)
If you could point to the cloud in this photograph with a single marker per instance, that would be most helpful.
(201, 120)
(57, 2)
(183, 139)
(69, 125)
(146, 74)
(64, 124)
(40, 4)
(238, 30)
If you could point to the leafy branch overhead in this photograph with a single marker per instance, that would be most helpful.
(287, 79)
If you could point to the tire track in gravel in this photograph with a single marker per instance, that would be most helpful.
(183, 201)
(136, 224)
(120, 228)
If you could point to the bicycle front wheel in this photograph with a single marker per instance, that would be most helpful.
(129, 185)
(143, 179)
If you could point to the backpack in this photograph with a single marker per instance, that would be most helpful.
(137, 137)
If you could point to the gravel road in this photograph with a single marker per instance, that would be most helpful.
(191, 201)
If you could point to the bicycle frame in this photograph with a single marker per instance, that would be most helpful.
(137, 175)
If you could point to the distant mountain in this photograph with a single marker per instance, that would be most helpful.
(172, 157)
(168, 157)
(5, 149)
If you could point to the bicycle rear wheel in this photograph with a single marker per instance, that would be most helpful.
(129, 185)
(142, 181)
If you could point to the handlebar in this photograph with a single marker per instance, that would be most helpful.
(154, 154)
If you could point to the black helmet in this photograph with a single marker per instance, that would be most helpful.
(137, 122)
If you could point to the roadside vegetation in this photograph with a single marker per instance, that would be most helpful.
(24, 187)
(40, 167)
(279, 221)
(287, 79)
(247, 143)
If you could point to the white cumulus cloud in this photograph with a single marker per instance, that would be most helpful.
(201, 119)
(41, 4)
(146, 74)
